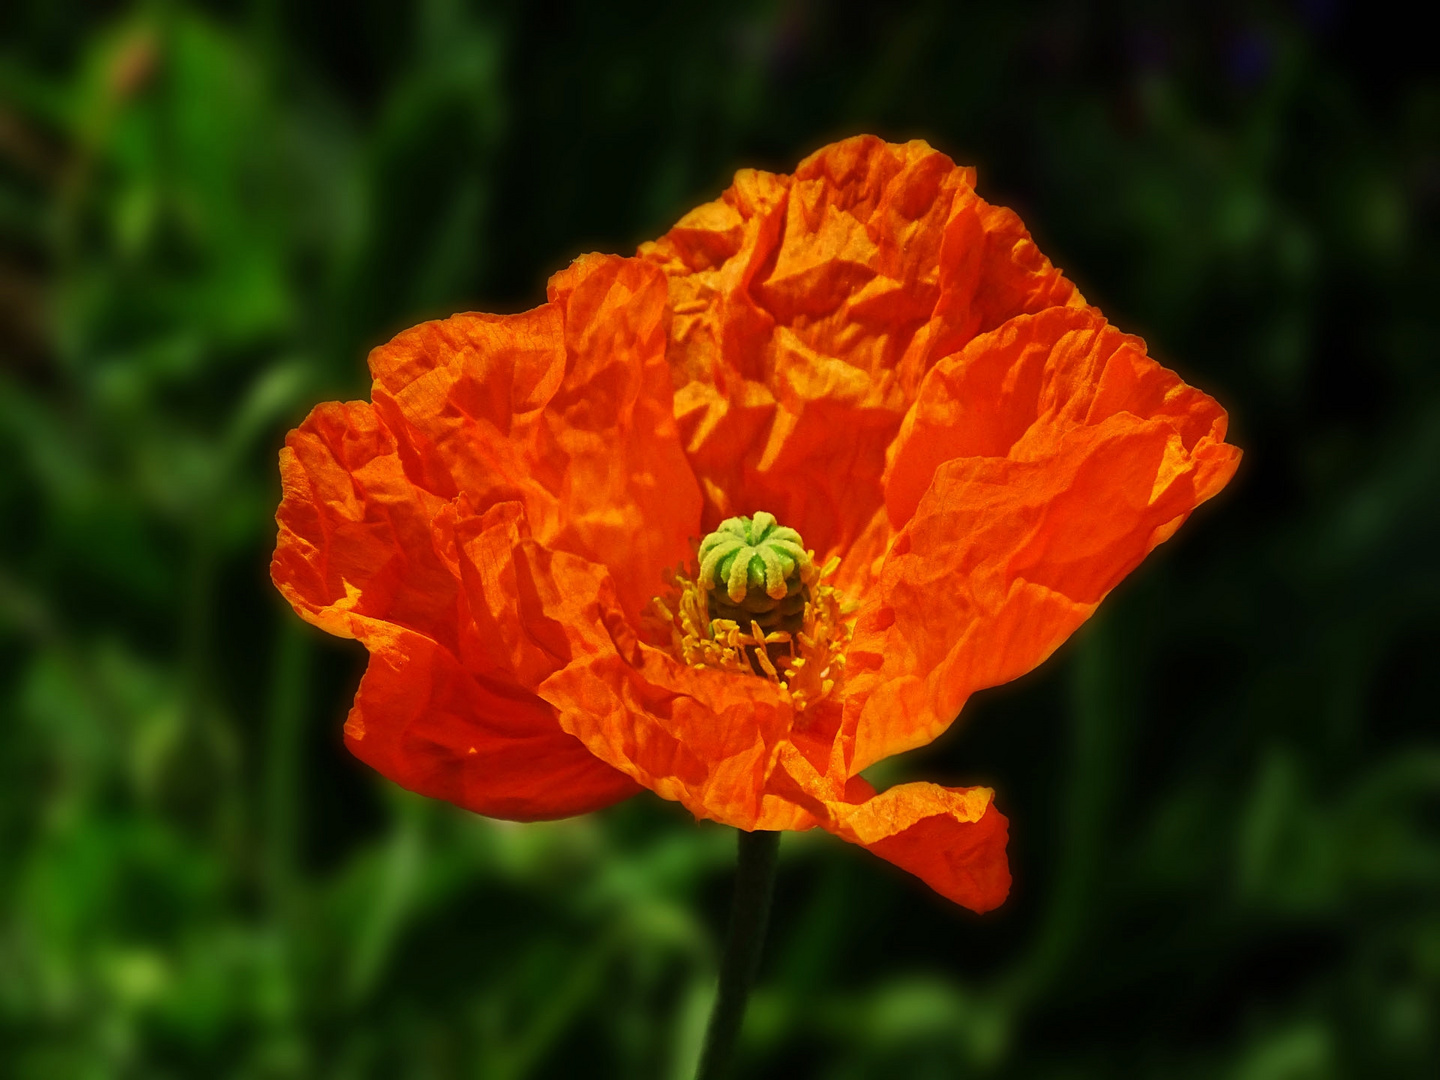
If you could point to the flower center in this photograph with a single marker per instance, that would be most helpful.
(758, 605)
(756, 570)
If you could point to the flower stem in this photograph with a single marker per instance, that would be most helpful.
(749, 913)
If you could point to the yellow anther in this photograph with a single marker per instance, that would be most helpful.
(804, 656)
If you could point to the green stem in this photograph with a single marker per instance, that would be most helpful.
(749, 913)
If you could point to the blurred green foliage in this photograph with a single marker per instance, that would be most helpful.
(1224, 793)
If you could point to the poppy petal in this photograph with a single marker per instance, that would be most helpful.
(550, 623)
(953, 839)
(355, 544)
(705, 739)
(812, 304)
(567, 409)
(1074, 455)
(561, 415)
(427, 723)
(357, 557)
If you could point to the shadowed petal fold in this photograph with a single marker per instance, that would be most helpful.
(431, 726)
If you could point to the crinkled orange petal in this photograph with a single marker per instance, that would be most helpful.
(865, 349)
(356, 557)
(807, 309)
(355, 543)
(953, 839)
(1038, 467)
(428, 724)
(566, 409)
(551, 621)
(562, 414)
(704, 738)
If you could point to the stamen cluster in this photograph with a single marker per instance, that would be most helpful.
(793, 633)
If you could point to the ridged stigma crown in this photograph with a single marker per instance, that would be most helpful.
(755, 569)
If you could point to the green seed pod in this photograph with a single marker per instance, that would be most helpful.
(754, 569)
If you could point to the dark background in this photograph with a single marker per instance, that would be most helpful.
(1224, 791)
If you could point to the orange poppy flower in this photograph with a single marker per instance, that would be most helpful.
(865, 353)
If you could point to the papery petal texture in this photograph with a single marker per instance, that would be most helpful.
(1036, 469)
(866, 350)
(565, 409)
(703, 738)
(555, 425)
(808, 308)
(953, 839)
